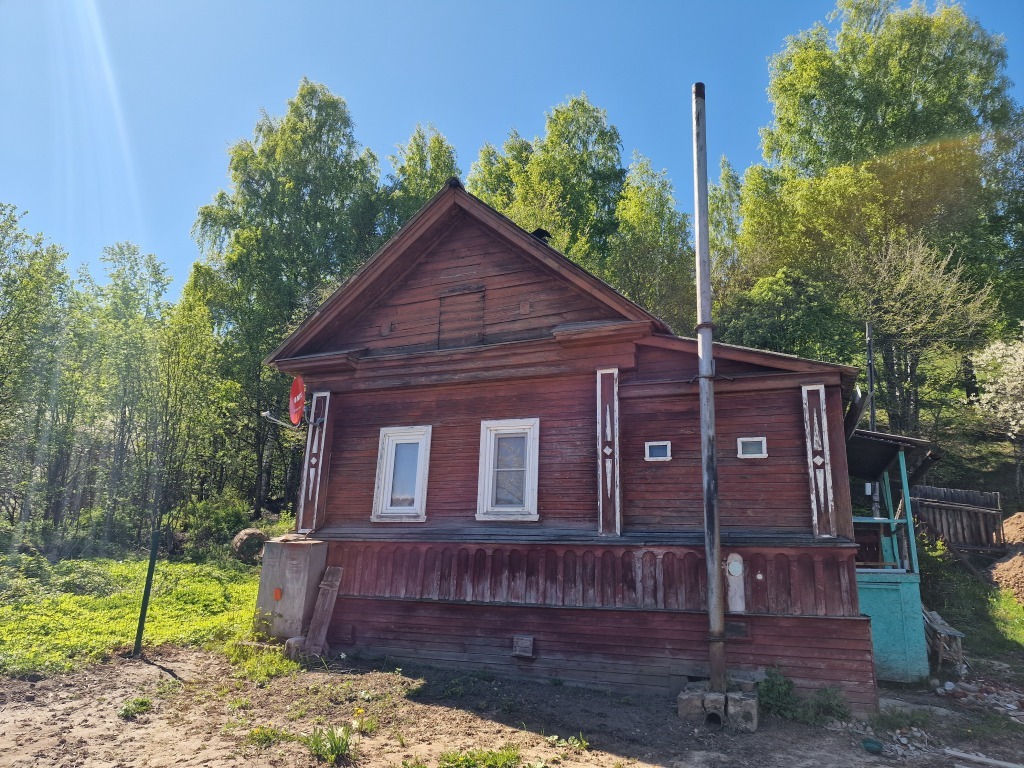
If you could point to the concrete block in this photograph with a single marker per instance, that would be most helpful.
(289, 585)
(690, 706)
(714, 709)
(742, 711)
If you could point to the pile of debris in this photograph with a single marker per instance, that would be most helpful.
(987, 695)
(1008, 573)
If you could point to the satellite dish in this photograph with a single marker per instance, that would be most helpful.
(297, 400)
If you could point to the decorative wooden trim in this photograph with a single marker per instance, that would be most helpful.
(734, 582)
(819, 461)
(609, 487)
(316, 464)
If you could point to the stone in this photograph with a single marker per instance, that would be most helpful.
(742, 711)
(949, 685)
(690, 706)
(295, 648)
(969, 688)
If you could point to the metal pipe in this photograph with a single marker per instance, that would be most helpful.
(706, 376)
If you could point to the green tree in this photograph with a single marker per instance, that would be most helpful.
(922, 306)
(567, 182)
(650, 258)
(421, 168)
(304, 211)
(724, 224)
(887, 79)
(1000, 370)
(792, 313)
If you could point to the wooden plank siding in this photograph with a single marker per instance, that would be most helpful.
(565, 405)
(770, 493)
(641, 651)
(510, 298)
(784, 581)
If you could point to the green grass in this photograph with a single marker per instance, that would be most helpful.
(993, 620)
(55, 617)
(264, 736)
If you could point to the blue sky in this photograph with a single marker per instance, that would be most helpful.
(117, 115)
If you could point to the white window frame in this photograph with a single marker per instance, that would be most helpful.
(489, 432)
(390, 437)
(653, 443)
(762, 454)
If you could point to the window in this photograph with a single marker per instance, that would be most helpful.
(400, 493)
(752, 447)
(660, 450)
(508, 470)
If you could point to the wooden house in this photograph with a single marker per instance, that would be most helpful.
(504, 456)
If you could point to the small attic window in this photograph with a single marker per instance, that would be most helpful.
(752, 447)
(659, 450)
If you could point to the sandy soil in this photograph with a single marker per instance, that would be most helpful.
(1008, 573)
(202, 716)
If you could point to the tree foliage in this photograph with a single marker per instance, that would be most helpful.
(568, 182)
(1000, 371)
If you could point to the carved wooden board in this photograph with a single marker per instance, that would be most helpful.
(819, 461)
(316, 464)
(609, 493)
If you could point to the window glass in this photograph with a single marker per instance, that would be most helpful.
(400, 490)
(508, 470)
(403, 481)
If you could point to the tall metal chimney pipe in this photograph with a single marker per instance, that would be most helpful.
(706, 375)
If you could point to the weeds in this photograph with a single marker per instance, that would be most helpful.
(892, 718)
(776, 696)
(57, 617)
(363, 723)
(334, 746)
(506, 757)
(576, 744)
(135, 707)
(257, 663)
(264, 736)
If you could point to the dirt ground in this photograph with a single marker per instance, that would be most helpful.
(1008, 573)
(202, 716)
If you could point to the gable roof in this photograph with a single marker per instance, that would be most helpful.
(413, 241)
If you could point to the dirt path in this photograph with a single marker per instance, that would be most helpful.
(202, 716)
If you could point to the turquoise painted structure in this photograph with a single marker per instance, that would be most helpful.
(893, 601)
(889, 586)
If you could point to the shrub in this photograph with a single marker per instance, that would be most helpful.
(776, 696)
(135, 707)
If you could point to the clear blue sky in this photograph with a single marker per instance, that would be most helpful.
(117, 115)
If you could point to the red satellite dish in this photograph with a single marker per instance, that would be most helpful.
(297, 400)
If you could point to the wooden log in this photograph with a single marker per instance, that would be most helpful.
(981, 759)
(316, 638)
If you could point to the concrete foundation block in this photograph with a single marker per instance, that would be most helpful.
(714, 709)
(690, 706)
(289, 585)
(742, 711)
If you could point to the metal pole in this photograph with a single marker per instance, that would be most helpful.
(706, 375)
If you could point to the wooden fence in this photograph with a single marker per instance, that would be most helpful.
(962, 518)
